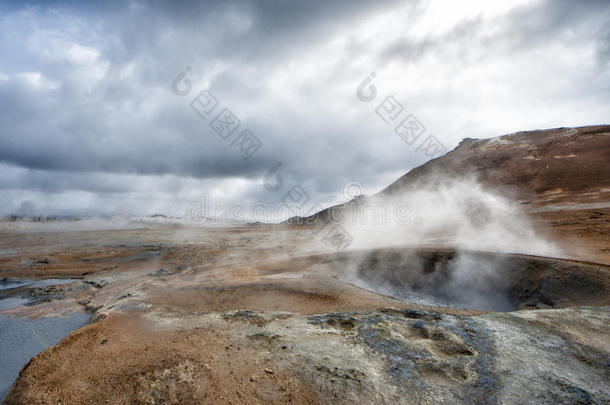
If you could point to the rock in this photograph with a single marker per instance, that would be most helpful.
(161, 272)
(97, 282)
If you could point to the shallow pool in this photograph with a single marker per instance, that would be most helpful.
(21, 339)
(8, 283)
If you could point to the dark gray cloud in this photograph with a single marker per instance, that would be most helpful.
(89, 116)
(603, 48)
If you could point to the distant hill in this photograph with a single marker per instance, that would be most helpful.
(539, 168)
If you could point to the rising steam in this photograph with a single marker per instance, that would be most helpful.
(457, 215)
(460, 213)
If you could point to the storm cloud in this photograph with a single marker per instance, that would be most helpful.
(89, 122)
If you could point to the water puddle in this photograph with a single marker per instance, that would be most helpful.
(21, 339)
(7, 252)
(146, 255)
(8, 283)
(12, 302)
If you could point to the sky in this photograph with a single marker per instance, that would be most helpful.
(154, 107)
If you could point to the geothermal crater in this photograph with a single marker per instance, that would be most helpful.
(475, 280)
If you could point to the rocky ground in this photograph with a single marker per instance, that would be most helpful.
(244, 316)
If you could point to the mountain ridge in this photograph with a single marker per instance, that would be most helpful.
(539, 168)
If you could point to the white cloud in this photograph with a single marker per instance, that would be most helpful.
(90, 94)
(37, 81)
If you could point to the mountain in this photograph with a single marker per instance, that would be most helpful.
(540, 168)
(560, 176)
